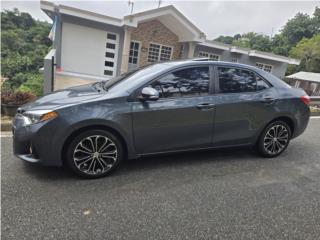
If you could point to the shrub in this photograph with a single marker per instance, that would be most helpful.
(33, 83)
(16, 98)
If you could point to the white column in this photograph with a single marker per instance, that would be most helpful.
(191, 49)
(126, 50)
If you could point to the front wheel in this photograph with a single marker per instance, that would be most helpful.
(94, 154)
(274, 139)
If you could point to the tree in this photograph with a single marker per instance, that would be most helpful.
(299, 27)
(225, 39)
(308, 50)
(280, 45)
(316, 19)
(24, 44)
(253, 40)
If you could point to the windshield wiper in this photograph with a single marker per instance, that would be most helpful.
(98, 86)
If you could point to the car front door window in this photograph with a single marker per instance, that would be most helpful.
(188, 82)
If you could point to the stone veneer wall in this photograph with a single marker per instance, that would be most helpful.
(154, 32)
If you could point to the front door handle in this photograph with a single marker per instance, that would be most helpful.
(205, 106)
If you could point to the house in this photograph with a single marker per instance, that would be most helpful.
(309, 81)
(91, 46)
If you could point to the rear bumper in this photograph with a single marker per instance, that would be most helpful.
(302, 121)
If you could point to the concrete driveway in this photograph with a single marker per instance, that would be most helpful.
(226, 194)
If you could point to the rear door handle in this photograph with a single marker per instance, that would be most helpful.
(268, 100)
(205, 106)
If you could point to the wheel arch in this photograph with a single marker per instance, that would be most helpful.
(127, 146)
(288, 120)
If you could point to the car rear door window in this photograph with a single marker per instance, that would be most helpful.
(233, 80)
(186, 82)
(261, 83)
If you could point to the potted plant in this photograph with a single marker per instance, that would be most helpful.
(11, 101)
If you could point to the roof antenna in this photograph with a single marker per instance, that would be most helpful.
(130, 2)
(159, 3)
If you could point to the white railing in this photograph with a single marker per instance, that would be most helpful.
(315, 105)
(315, 100)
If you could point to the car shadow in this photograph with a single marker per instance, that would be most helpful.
(148, 163)
(186, 159)
(47, 173)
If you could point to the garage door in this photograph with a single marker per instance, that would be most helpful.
(89, 51)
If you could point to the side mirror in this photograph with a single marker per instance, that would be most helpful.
(149, 93)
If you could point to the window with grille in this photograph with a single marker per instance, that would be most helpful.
(134, 52)
(159, 53)
(110, 61)
(211, 56)
(235, 60)
(165, 53)
(265, 67)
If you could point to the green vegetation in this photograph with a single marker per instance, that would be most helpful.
(299, 38)
(24, 44)
(308, 50)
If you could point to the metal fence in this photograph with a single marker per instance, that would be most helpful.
(315, 105)
(315, 100)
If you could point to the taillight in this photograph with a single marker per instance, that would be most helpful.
(305, 99)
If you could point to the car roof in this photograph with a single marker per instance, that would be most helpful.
(206, 61)
(157, 69)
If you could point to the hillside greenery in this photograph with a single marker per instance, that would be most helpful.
(24, 43)
(298, 38)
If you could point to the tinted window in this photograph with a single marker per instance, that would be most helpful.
(111, 46)
(108, 64)
(109, 55)
(184, 83)
(232, 80)
(112, 36)
(261, 83)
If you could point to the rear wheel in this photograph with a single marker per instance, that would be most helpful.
(94, 154)
(274, 139)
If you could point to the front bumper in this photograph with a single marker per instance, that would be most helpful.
(23, 136)
(29, 158)
(35, 143)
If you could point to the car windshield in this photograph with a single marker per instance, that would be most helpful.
(131, 78)
(118, 79)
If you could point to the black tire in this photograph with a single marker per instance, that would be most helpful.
(83, 139)
(263, 141)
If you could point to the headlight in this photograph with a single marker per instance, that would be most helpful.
(31, 117)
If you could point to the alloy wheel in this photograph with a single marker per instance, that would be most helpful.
(276, 139)
(95, 155)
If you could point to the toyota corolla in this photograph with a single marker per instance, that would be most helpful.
(161, 108)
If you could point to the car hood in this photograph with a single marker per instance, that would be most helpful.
(64, 97)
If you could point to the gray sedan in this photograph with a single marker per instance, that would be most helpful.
(161, 108)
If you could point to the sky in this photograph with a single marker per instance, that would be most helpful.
(214, 18)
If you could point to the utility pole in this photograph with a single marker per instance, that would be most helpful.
(130, 2)
(159, 3)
